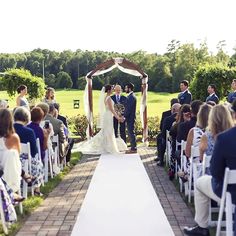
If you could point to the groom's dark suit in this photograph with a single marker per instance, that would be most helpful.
(130, 116)
(121, 100)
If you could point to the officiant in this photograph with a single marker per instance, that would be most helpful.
(120, 101)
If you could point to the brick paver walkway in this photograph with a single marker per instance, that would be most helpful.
(57, 214)
(176, 210)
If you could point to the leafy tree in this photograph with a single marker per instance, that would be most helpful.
(219, 75)
(63, 80)
(50, 80)
(15, 77)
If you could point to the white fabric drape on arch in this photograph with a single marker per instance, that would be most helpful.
(143, 104)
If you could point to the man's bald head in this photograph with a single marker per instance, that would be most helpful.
(118, 89)
(175, 108)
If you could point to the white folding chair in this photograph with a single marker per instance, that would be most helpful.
(25, 149)
(55, 141)
(229, 178)
(229, 209)
(168, 148)
(194, 167)
(205, 163)
(182, 162)
(39, 154)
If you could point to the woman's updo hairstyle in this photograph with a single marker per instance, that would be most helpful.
(108, 87)
(20, 88)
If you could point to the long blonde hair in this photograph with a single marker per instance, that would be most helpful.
(220, 120)
(203, 116)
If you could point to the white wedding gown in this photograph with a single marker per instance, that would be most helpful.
(104, 141)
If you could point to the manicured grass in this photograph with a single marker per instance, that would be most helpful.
(157, 102)
(33, 202)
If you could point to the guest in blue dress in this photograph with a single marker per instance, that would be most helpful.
(219, 121)
(26, 134)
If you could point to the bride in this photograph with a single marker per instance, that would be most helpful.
(104, 141)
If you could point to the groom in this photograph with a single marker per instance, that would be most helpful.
(119, 99)
(130, 116)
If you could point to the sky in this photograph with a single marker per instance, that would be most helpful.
(118, 26)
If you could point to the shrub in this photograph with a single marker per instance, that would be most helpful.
(78, 125)
(15, 77)
(219, 75)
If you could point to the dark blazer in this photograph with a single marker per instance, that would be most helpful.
(185, 98)
(58, 128)
(165, 114)
(231, 97)
(63, 119)
(130, 108)
(167, 124)
(224, 155)
(27, 135)
(183, 129)
(213, 98)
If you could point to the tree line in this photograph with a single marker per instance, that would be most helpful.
(67, 69)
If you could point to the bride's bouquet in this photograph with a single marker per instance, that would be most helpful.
(119, 109)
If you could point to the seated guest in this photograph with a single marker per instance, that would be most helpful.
(182, 116)
(37, 115)
(168, 113)
(212, 94)
(166, 126)
(160, 145)
(21, 118)
(232, 96)
(184, 127)
(49, 96)
(219, 121)
(58, 128)
(3, 104)
(194, 137)
(69, 140)
(185, 97)
(195, 134)
(9, 153)
(211, 103)
(210, 186)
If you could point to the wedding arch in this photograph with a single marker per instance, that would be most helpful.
(127, 67)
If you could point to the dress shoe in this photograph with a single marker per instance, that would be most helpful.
(196, 231)
(160, 163)
(130, 151)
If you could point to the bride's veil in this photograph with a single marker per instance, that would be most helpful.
(101, 107)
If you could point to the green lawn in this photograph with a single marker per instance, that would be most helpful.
(157, 102)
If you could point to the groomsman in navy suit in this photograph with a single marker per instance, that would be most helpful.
(185, 97)
(130, 116)
(119, 99)
(232, 95)
(212, 96)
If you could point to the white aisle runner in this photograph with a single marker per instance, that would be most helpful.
(121, 201)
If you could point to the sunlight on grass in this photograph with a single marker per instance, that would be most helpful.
(157, 102)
